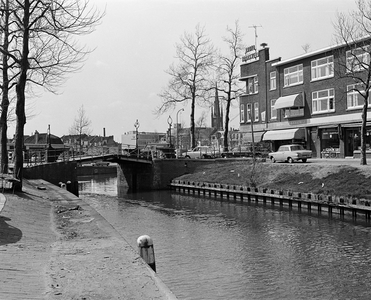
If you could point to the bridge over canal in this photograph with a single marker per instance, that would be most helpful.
(139, 173)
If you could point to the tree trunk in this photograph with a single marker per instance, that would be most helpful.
(193, 137)
(4, 158)
(363, 131)
(226, 126)
(4, 132)
(21, 99)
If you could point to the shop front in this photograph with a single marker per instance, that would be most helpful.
(353, 141)
(285, 137)
(330, 142)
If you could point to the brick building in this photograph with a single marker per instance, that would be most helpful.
(304, 99)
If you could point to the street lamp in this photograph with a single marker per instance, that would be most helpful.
(177, 129)
(170, 122)
(136, 125)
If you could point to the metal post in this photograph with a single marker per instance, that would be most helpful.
(136, 125)
(170, 122)
(177, 128)
(146, 250)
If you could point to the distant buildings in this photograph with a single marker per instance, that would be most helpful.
(90, 144)
(303, 99)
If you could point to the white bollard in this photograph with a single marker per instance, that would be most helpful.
(146, 250)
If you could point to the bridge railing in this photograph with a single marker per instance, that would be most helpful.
(150, 151)
(37, 157)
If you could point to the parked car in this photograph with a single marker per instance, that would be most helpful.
(261, 150)
(242, 151)
(201, 152)
(290, 153)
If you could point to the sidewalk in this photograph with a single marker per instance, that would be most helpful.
(55, 246)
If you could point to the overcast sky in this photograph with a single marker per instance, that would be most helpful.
(135, 44)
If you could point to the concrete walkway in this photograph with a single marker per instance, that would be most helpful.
(53, 245)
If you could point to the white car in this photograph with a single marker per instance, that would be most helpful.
(290, 153)
(201, 152)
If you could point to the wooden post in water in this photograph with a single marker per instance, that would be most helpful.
(146, 251)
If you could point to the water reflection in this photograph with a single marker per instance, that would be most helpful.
(207, 249)
(98, 184)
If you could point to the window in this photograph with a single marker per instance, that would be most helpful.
(262, 116)
(323, 101)
(256, 111)
(249, 112)
(322, 68)
(293, 75)
(273, 84)
(354, 99)
(252, 85)
(357, 59)
(294, 112)
(273, 111)
(242, 113)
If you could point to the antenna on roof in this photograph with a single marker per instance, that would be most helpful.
(256, 35)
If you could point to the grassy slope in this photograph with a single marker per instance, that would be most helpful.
(341, 180)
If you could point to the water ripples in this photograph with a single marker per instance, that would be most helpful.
(209, 249)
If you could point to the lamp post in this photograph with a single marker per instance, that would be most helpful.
(170, 122)
(177, 129)
(136, 125)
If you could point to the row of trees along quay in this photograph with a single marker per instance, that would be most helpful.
(39, 48)
(201, 69)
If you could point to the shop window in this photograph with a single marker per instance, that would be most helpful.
(293, 75)
(322, 68)
(273, 80)
(323, 101)
(354, 99)
(330, 143)
(358, 59)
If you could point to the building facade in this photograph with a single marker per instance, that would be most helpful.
(304, 100)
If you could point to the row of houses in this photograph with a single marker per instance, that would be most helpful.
(40, 146)
(305, 99)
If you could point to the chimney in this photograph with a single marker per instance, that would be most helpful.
(104, 132)
(36, 137)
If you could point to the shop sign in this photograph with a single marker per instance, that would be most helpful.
(250, 54)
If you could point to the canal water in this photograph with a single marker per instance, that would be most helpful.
(213, 249)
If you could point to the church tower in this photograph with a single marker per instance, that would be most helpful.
(217, 113)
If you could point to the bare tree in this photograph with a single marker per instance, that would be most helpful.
(81, 125)
(189, 79)
(201, 121)
(7, 82)
(228, 73)
(44, 51)
(353, 31)
(306, 47)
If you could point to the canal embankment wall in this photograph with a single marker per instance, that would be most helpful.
(341, 205)
(58, 173)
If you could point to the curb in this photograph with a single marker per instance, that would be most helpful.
(2, 202)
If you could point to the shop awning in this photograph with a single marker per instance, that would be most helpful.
(295, 100)
(257, 137)
(287, 134)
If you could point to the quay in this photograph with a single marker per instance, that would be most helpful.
(54, 245)
(322, 203)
